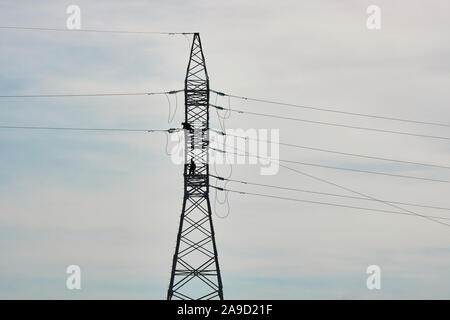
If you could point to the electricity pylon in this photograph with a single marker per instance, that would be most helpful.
(195, 268)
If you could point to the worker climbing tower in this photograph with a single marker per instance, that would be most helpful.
(195, 268)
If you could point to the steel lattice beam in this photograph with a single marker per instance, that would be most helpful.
(195, 268)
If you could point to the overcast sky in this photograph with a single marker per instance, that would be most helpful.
(110, 202)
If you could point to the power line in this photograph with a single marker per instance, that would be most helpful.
(326, 193)
(335, 152)
(171, 130)
(334, 111)
(91, 94)
(95, 30)
(364, 195)
(345, 169)
(356, 192)
(332, 124)
(322, 203)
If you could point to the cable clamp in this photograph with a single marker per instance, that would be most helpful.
(219, 132)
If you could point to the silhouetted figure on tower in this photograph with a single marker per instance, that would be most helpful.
(186, 126)
(192, 167)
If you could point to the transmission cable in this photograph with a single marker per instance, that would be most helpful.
(334, 110)
(355, 192)
(94, 30)
(171, 130)
(345, 169)
(333, 151)
(326, 193)
(90, 94)
(324, 203)
(333, 124)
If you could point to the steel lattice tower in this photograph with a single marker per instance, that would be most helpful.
(195, 269)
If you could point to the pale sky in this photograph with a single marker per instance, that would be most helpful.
(110, 202)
